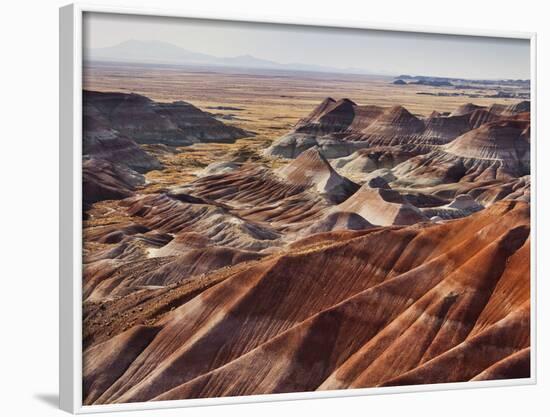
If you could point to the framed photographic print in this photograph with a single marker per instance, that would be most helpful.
(268, 210)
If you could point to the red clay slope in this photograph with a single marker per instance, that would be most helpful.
(387, 306)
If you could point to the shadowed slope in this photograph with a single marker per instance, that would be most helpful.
(146, 121)
(100, 140)
(103, 180)
(311, 169)
(368, 160)
(383, 207)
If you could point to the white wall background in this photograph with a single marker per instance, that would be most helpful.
(29, 195)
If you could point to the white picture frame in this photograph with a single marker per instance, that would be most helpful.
(70, 153)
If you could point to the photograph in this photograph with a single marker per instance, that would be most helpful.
(273, 208)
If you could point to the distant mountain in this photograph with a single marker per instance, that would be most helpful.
(159, 52)
(145, 51)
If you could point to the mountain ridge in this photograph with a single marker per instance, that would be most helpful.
(160, 52)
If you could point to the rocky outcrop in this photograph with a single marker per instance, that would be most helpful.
(382, 207)
(506, 141)
(365, 161)
(311, 169)
(104, 180)
(461, 206)
(146, 121)
(512, 109)
(337, 220)
(466, 109)
(102, 141)
(341, 127)
(495, 151)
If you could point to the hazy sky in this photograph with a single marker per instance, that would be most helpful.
(377, 51)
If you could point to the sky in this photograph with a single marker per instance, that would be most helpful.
(379, 52)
